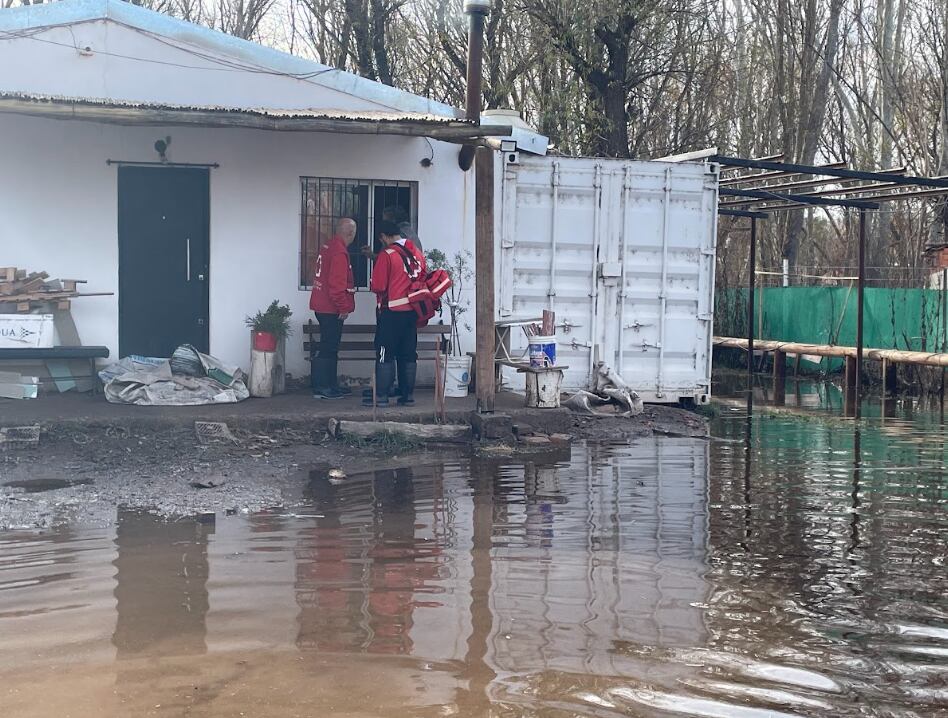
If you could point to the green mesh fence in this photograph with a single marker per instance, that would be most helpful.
(913, 319)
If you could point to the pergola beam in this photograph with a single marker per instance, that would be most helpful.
(743, 213)
(815, 170)
(798, 198)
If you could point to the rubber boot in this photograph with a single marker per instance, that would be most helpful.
(406, 382)
(384, 378)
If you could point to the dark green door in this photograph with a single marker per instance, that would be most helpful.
(164, 254)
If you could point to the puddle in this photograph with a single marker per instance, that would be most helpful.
(802, 573)
(35, 486)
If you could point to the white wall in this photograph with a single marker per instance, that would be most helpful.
(58, 204)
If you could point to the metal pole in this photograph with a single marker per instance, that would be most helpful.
(751, 287)
(476, 11)
(861, 286)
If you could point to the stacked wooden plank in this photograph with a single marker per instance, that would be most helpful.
(24, 292)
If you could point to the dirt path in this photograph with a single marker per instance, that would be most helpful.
(82, 469)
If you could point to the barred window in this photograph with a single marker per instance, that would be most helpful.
(326, 200)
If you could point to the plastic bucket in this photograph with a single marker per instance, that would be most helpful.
(457, 376)
(542, 352)
(264, 341)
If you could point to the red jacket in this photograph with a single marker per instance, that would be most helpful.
(390, 281)
(333, 285)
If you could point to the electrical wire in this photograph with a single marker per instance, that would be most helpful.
(226, 65)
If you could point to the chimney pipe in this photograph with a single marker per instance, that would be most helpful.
(477, 11)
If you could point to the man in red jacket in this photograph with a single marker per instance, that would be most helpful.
(333, 300)
(397, 265)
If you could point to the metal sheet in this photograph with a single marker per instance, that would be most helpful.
(623, 252)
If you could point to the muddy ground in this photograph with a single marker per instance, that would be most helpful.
(81, 470)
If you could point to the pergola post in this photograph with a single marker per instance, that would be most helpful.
(860, 290)
(751, 287)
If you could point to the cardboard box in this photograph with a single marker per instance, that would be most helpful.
(26, 331)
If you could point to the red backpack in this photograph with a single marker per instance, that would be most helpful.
(426, 289)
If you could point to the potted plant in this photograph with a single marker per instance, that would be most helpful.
(457, 365)
(270, 327)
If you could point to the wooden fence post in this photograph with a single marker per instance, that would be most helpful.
(484, 278)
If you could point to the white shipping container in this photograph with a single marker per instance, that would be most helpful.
(26, 331)
(623, 252)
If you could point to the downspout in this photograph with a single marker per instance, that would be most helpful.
(477, 11)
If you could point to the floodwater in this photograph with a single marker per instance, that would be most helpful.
(790, 566)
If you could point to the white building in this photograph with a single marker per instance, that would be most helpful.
(228, 217)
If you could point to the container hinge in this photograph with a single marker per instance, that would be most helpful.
(707, 252)
(705, 317)
(506, 244)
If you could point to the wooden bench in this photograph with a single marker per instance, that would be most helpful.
(363, 347)
(55, 357)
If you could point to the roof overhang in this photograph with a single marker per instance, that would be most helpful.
(360, 122)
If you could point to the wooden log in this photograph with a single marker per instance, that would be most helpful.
(262, 365)
(897, 356)
(440, 433)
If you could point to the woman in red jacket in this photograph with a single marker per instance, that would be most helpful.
(333, 300)
(397, 265)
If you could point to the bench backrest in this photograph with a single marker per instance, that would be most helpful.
(359, 339)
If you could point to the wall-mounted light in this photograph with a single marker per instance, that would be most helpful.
(161, 147)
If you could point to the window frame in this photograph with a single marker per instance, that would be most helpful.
(373, 215)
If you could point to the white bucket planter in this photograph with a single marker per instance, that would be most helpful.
(456, 374)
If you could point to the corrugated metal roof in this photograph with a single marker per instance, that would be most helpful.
(8, 98)
(292, 120)
(66, 12)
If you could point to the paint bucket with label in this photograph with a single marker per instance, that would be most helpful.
(457, 376)
(542, 352)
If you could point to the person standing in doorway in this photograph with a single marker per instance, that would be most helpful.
(397, 266)
(333, 300)
(399, 216)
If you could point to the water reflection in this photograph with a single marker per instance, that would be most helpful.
(161, 598)
(785, 567)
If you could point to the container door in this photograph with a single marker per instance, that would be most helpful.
(623, 253)
(163, 233)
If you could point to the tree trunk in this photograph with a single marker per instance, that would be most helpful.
(812, 119)
(379, 44)
(358, 13)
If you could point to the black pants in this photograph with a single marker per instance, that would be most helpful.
(330, 334)
(396, 337)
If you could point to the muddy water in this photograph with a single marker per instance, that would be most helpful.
(792, 568)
